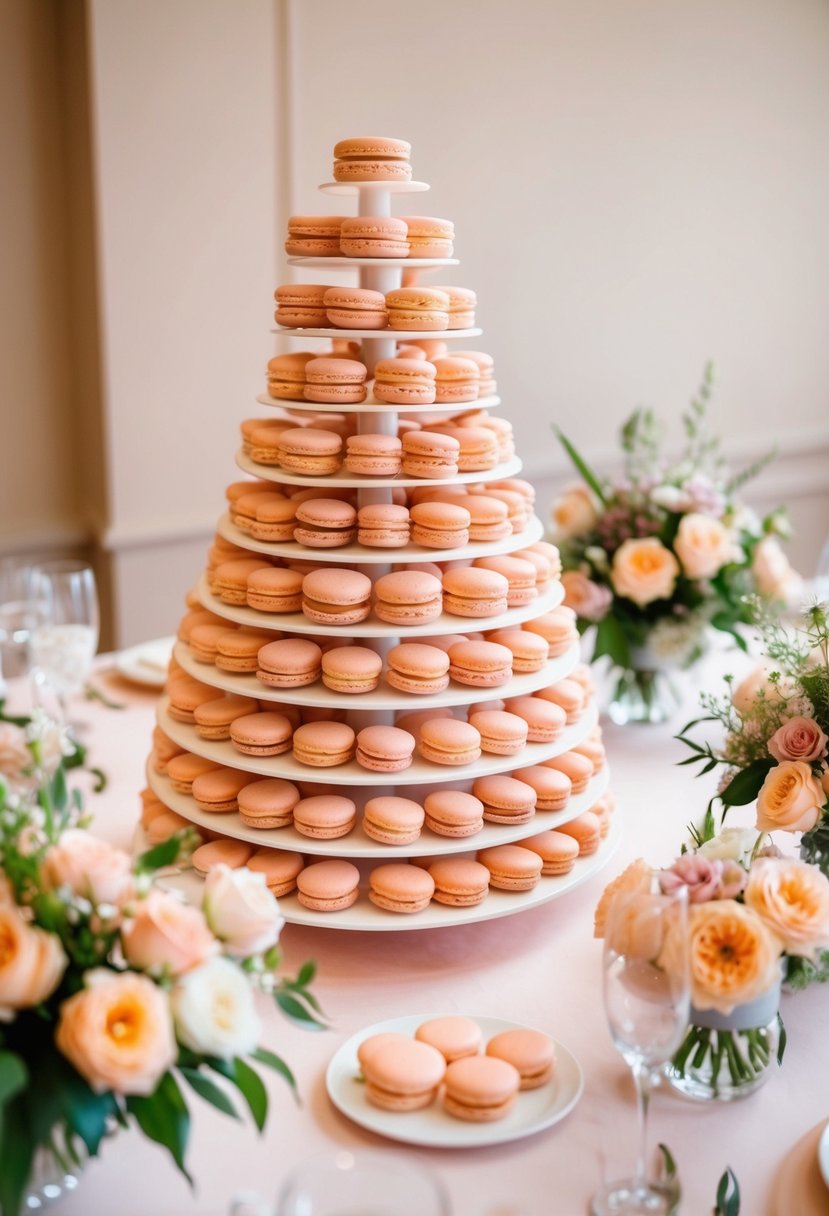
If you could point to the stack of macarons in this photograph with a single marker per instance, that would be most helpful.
(415, 236)
(415, 309)
(448, 1060)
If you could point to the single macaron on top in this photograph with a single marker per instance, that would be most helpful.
(372, 158)
(453, 1036)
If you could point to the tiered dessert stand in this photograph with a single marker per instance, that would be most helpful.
(374, 199)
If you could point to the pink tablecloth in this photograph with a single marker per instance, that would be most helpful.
(541, 968)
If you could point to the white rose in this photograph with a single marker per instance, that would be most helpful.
(574, 512)
(670, 497)
(732, 844)
(214, 1011)
(241, 911)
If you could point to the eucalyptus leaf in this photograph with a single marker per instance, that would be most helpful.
(581, 466)
(163, 1117)
(728, 1194)
(296, 1011)
(249, 1084)
(277, 1064)
(209, 1091)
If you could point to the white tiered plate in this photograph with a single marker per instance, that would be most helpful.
(365, 917)
(365, 555)
(357, 844)
(431, 1127)
(297, 622)
(382, 698)
(371, 406)
(409, 187)
(342, 479)
(397, 335)
(344, 263)
(419, 772)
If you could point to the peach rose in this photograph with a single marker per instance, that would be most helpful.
(754, 686)
(90, 867)
(704, 545)
(772, 572)
(798, 739)
(636, 877)
(644, 570)
(824, 781)
(588, 600)
(241, 911)
(15, 756)
(118, 1032)
(735, 957)
(167, 934)
(32, 962)
(792, 898)
(574, 513)
(790, 799)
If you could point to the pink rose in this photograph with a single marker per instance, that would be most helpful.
(644, 570)
(241, 911)
(32, 962)
(90, 867)
(589, 600)
(701, 876)
(790, 799)
(798, 739)
(118, 1032)
(704, 545)
(166, 933)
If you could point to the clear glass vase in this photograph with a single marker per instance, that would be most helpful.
(725, 1057)
(53, 1175)
(644, 696)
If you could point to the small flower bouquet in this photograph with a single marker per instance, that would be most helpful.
(774, 750)
(115, 996)
(751, 912)
(651, 560)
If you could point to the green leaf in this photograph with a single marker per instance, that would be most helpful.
(13, 1076)
(91, 693)
(296, 1011)
(277, 1064)
(581, 466)
(306, 973)
(611, 641)
(209, 1090)
(667, 1164)
(784, 1038)
(86, 1112)
(249, 1084)
(728, 1194)
(164, 1118)
(101, 780)
(746, 785)
(159, 856)
(16, 1152)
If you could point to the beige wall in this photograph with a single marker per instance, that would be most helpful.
(636, 187)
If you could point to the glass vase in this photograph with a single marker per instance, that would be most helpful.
(645, 696)
(54, 1173)
(725, 1057)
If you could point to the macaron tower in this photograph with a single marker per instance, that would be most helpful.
(413, 725)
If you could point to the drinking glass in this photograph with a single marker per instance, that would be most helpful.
(18, 611)
(646, 968)
(65, 637)
(362, 1184)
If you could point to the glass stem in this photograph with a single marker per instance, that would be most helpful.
(642, 1079)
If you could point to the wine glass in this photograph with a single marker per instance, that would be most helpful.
(647, 1001)
(362, 1184)
(18, 612)
(65, 636)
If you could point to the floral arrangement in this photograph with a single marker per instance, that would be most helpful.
(654, 557)
(775, 736)
(115, 995)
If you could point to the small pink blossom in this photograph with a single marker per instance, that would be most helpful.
(798, 739)
(733, 880)
(701, 876)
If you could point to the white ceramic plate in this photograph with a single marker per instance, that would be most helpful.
(823, 1154)
(534, 1109)
(147, 662)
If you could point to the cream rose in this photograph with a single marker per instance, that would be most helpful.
(644, 570)
(792, 898)
(636, 877)
(214, 1010)
(798, 739)
(90, 867)
(755, 685)
(241, 911)
(734, 956)
(703, 544)
(790, 799)
(574, 513)
(165, 933)
(731, 844)
(588, 600)
(118, 1032)
(32, 962)
(772, 572)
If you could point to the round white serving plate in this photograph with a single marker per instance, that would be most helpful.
(382, 698)
(342, 479)
(357, 844)
(340, 262)
(419, 772)
(366, 917)
(371, 406)
(368, 556)
(396, 335)
(533, 1110)
(297, 622)
(823, 1154)
(410, 187)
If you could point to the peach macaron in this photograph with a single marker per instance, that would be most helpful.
(417, 308)
(281, 868)
(453, 813)
(384, 749)
(404, 1075)
(336, 597)
(351, 669)
(505, 799)
(268, 803)
(328, 886)
(372, 158)
(392, 820)
(407, 597)
(454, 1036)
(460, 882)
(449, 741)
(511, 868)
(417, 668)
(325, 816)
(323, 744)
(480, 1089)
(471, 592)
(557, 850)
(440, 525)
(531, 1052)
(401, 888)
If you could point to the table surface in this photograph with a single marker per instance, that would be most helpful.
(541, 968)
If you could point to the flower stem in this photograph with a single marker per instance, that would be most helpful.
(642, 1078)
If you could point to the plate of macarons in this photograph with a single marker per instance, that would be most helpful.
(454, 1081)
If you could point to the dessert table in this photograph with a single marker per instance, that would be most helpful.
(540, 968)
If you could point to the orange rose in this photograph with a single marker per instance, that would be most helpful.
(644, 570)
(703, 545)
(734, 956)
(32, 962)
(792, 898)
(118, 1032)
(167, 934)
(790, 799)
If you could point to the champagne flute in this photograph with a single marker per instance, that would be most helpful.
(65, 637)
(18, 612)
(647, 1001)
